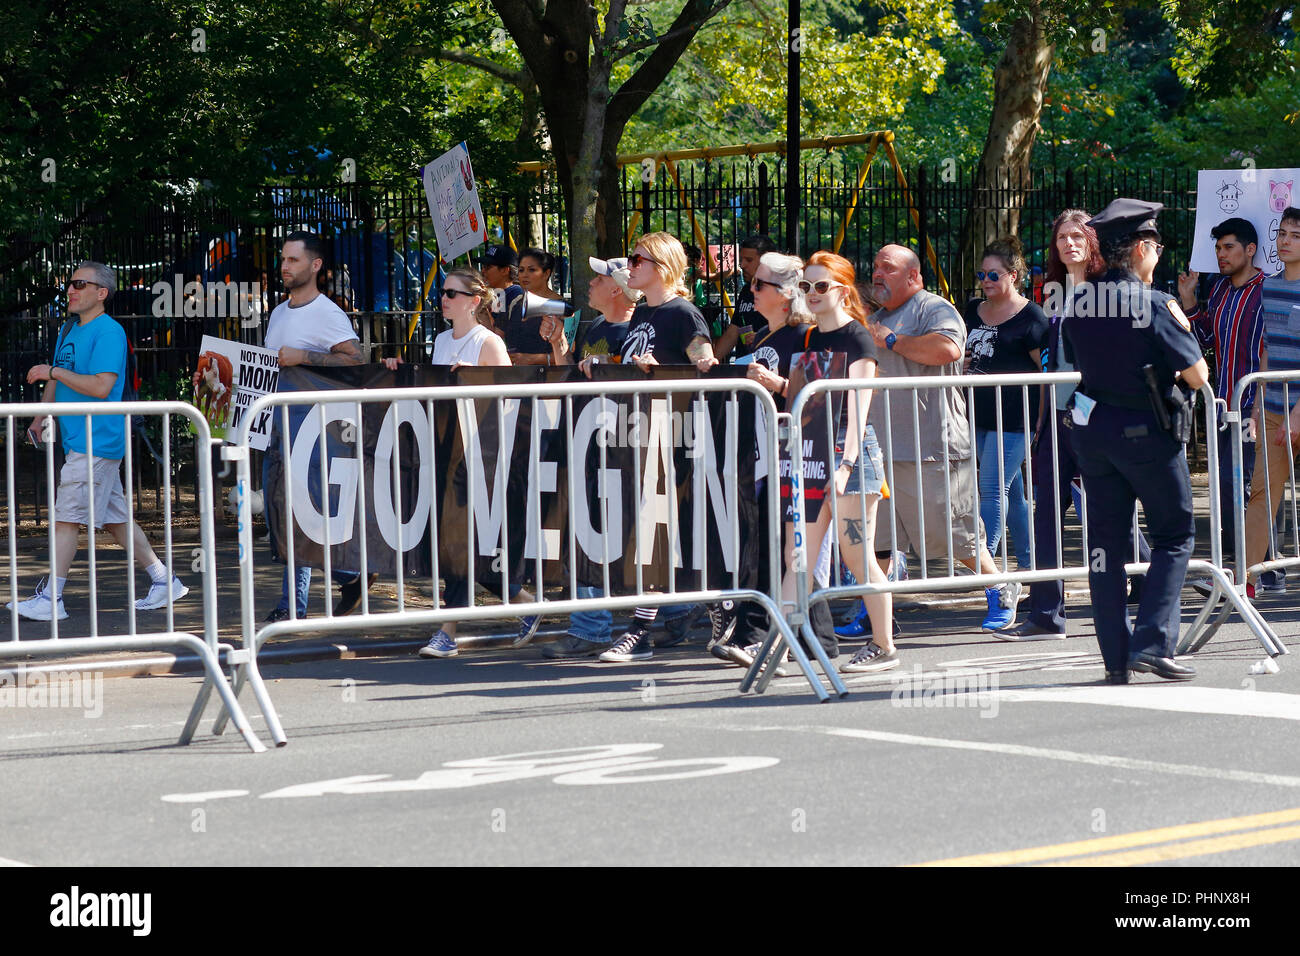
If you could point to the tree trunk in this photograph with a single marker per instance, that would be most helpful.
(589, 173)
(1003, 176)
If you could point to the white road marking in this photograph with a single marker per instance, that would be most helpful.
(1183, 699)
(7, 862)
(203, 797)
(1068, 756)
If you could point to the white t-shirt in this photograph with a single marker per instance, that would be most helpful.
(448, 350)
(317, 326)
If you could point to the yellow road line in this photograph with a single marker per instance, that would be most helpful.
(1178, 851)
(1121, 841)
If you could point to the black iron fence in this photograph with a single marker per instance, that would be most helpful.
(182, 265)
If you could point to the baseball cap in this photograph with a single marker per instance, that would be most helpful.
(498, 256)
(616, 269)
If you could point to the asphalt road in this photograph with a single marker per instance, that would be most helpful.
(1008, 753)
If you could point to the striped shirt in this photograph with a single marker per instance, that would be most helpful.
(1232, 323)
(1280, 310)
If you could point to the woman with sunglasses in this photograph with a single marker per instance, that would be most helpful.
(1006, 335)
(666, 329)
(857, 482)
(779, 301)
(466, 301)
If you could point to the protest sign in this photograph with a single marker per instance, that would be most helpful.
(233, 375)
(1256, 195)
(452, 193)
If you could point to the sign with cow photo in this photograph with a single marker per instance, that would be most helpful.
(231, 376)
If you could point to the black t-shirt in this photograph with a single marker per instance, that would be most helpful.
(665, 331)
(1004, 350)
(744, 316)
(522, 334)
(774, 352)
(855, 342)
(852, 339)
(602, 339)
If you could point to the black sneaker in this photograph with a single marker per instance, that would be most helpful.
(678, 628)
(350, 594)
(632, 646)
(279, 614)
(722, 625)
(571, 646)
(870, 659)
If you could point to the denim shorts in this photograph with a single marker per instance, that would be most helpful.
(868, 474)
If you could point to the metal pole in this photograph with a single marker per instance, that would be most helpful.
(795, 39)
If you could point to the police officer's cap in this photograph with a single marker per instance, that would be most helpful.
(1124, 219)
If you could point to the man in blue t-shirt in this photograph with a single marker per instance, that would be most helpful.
(89, 366)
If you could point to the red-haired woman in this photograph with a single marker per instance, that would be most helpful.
(830, 289)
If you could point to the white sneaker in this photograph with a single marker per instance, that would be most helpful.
(37, 607)
(157, 596)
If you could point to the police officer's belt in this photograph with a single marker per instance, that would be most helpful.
(1138, 403)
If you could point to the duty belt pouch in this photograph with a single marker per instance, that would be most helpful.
(1180, 414)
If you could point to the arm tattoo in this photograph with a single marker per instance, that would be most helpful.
(699, 349)
(344, 353)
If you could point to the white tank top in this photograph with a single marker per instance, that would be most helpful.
(448, 350)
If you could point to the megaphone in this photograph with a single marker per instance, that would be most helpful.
(535, 305)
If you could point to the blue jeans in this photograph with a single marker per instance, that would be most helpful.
(302, 591)
(1011, 489)
(302, 574)
(591, 626)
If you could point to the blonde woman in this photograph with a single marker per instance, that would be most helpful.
(666, 329)
(466, 301)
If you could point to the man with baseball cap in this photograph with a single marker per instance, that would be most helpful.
(602, 341)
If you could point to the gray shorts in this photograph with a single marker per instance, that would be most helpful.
(72, 499)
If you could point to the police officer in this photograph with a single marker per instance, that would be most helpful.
(1132, 346)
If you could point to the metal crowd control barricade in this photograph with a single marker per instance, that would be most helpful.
(1236, 592)
(890, 391)
(541, 396)
(207, 647)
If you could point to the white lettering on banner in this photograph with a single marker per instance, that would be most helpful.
(488, 508)
(598, 415)
(339, 470)
(710, 488)
(545, 475)
(398, 414)
(654, 510)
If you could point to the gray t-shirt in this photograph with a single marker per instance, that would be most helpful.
(922, 314)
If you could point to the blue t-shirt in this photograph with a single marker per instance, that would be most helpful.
(97, 346)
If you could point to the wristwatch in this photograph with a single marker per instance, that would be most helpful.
(890, 339)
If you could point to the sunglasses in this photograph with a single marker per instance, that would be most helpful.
(452, 293)
(636, 259)
(992, 276)
(80, 284)
(761, 284)
(821, 288)
(1160, 249)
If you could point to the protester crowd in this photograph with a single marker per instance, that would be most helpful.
(934, 473)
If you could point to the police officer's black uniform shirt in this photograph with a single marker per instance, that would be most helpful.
(1110, 346)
